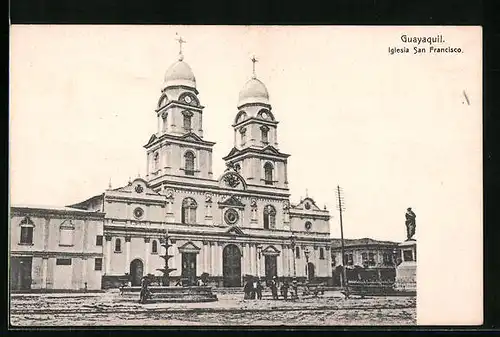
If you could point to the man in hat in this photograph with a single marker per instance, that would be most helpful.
(274, 288)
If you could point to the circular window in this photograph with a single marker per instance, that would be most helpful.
(307, 205)
(231, 216)
(138, 212)
(308, 225)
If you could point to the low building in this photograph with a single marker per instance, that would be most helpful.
(365, 259)
(55, 248)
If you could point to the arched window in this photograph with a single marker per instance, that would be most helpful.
(268, 174)
(118, 245)
(269, 217)
(188, 215)
(189, 163)
(26, 231)
(187, 120)
(243, 133)
(154, 247)
(264, 131)
(66, 231)
(156, 161)
(321, 254)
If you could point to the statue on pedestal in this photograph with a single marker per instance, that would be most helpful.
(410, 223)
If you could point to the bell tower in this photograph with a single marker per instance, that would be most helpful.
(255, 152)
(178, 149)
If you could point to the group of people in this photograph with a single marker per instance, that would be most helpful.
(253, 288)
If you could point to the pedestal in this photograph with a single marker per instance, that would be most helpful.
(406, 271)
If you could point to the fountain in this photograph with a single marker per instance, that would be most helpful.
(170, 294)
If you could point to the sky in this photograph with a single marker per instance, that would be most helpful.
(393, 131)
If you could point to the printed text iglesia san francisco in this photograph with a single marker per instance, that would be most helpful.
(423, 45)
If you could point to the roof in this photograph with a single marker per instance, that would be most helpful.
(336, 243)
(59, 209)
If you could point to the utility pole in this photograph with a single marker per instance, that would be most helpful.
(340, 207)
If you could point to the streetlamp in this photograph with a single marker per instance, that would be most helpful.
(306, 254)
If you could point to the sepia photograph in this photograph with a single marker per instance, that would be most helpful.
(245, 175)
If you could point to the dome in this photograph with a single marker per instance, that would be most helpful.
(180, 73)
(254, 91)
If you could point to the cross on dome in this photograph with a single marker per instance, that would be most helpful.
(254, 60)
(181, 41)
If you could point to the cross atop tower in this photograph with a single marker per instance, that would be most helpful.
(254, 60)
(181, 41)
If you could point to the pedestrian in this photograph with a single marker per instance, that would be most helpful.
(144, 290)
(284, 290)
(295, 288)
(258, 289)
(247, 289)
(253, 289)
(274, 288)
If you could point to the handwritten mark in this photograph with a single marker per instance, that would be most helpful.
(466, 98)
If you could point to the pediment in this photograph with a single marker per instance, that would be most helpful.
(271, 150)
(232, 201)
(189, 247)
(137, 187)
(151, 140)
(233, 152)
(235, 230)
(192, 137)
(232, 179)
(307, 201)
(271, 251)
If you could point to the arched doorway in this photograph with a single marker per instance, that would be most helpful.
(136, 272)
(310, 270)
(231, 266)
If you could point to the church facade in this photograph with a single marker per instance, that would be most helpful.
(238, 223)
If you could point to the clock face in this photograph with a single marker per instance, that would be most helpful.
(231, 216)
(187, 99)
(264, 115)
(308, 225)
(138, 212)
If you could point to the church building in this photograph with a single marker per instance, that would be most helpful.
(240, 222)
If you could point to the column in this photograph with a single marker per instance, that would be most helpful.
(107, 270)
(159, 123)
(84, 272)
(205, 257)
(279, 261)
(245, 261)
(212, 258)
(146, 255)
(44, 272)
(251, 259)
(176, 259)
(127, 253)
(218, 261)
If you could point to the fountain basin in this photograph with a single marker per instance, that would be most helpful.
(161, 294)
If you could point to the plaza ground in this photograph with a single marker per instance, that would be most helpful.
(108, 308)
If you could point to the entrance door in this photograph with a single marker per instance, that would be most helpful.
(231, 266)
(310, 270)
(271, 266)
(189, 267)
(20, 273)
(136, 272)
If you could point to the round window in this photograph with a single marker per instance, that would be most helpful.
(231, 216)
(138, 212)
(308, 225)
